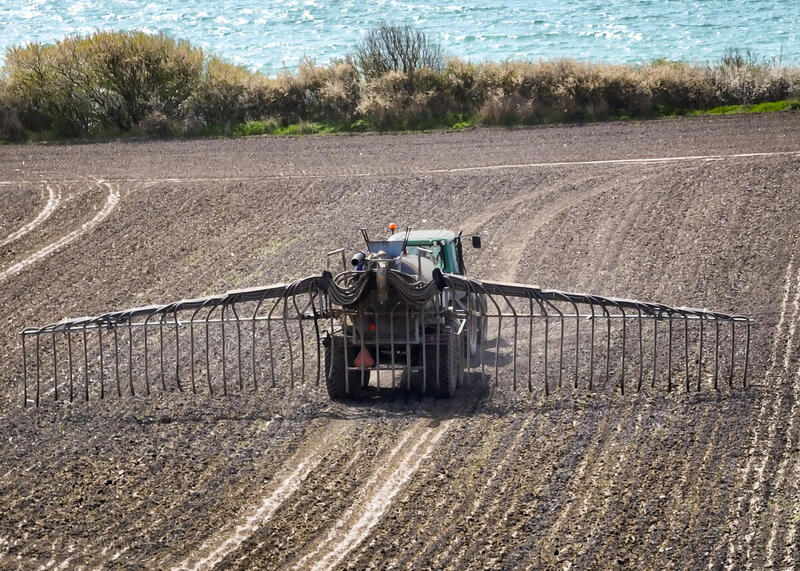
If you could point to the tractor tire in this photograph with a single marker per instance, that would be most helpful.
(447, 366)
(473, 334)
(341, 384)
(476, 327)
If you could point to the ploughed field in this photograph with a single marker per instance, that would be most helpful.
(490, 479)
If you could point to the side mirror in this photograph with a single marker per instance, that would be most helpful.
(476, 241)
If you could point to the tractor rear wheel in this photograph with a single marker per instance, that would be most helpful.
(341, 383)
(473, 334)
(476, 325)
(446, 366)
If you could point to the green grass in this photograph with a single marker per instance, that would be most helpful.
(772, 106)
(725, 110)
(256, 128)
(450, 122)
(767, 107)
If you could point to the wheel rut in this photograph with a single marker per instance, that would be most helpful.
(53, 199)
(296, 469)
(751, 477)
(413, 447)
(111, 202)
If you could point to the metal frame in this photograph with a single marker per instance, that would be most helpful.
(522, 319)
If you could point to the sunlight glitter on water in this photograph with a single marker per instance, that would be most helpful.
(271, 35)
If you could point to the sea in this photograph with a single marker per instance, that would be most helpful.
(274, 36)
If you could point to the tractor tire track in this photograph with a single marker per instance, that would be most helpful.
(414, 447)
(111, 202)
(312, 508)
(335, 469)
(780, 413)
(283, 444)
(494, 210)
(460, 455)
(53, 199)
(547, 215)
(776, 513)
(736, 524)
(297, 468)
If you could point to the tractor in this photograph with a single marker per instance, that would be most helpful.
(429, 340)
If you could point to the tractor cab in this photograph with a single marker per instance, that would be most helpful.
(443, 247)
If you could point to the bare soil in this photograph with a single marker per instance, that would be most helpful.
(489, 479)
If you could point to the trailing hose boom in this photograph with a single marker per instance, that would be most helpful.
(401, 315)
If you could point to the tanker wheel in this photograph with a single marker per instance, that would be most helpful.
(447, 366)
(341, 384)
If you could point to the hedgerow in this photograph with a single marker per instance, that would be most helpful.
(123, 82)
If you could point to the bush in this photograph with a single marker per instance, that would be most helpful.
(678, 86)
(219, 97)
(332, 92)
(158, 124)
(142, 73)
(395, 78)
(388, 103)
(398, 48)
(107, 80)
(11, 128)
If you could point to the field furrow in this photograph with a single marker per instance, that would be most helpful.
(698, 212)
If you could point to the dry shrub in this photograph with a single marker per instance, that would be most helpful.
(387, 100)
(11, 128)
(676, 85)
(397, 47)
(396, 78)
(219, 97)
(331, 92)
(82, 84)
(280, 97)
(158, 124)
(500, 108)
(464, 87)
(754, 84)
(529, 92)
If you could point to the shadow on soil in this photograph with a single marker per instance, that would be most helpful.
(478, 394)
